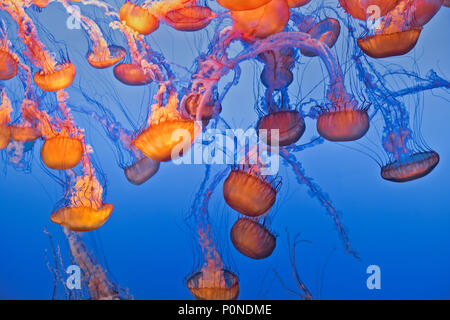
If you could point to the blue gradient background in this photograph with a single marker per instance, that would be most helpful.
(403, 228)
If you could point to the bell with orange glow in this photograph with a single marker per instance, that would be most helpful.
(138, 18)
(83, 218)
(62, 152)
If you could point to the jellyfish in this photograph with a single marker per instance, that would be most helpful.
(399, 29)
(138, 18)
(84, 209)
(289, 123)
(168, 135)
(343, 123)
(277, 74)
(360, 9)
(248, 192)
(192, 18)
(52, 76)
(252, 239)
(261, 22)
(8, 61)
(213, 281)
(5, 118)
(236, 5)
(326, 31)
(101, 56)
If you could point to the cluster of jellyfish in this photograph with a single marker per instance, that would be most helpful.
(275, 34)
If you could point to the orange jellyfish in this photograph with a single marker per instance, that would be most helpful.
(191, 18)
(239, 5)
(24, 133)
(8, 61)
(389, 44)
(261, 22)
(209, 111)
(86, 210)
(360, 9)
(297, 3)
(131, 74)
(289, 123)
(142, 170)
(252, 239)
(249, 193)
(138, 18)
(5, 117)
(168, 135)
(410, 167)
(216, 284)
(326, 31)
(101, 56)
(41, 3)
(53, 76)
(343, 123)
(62, 152)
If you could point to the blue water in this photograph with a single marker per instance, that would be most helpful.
(147, 247)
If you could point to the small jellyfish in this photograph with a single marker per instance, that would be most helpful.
(410, 167)
(248, 192)
(261, 22)
(343, 123)
(252, 239)
(289, 123)
(142, 170)
(220, 285)
(22, 133)
(101, 61)
(238, 5)
(138, 18)
(389, 44)
(8, 61)
(168, 135)
(60, 77)
(131, 74)
(61, 152)
(85, 210)
(191, 18)
(326, 31)
(41, 3)
(209, 111)
(359, 8)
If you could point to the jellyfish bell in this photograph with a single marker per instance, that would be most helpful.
(116, 53)
(410, 167)
(62, 152)
(131, 74)
(326, 31)
(345, 124)
(24, 134)
(297, 3)
(389, 44)
(41, 3)
(191, 18)
(141, 170)
(160, 140)
(62, 77)
(360, 9)
(248, 193)
(8, 65)
(261, 22)
(276, 74)
(252, 239)
(138, 18)
(239, 5)
(224, 285)
(82, 218)
(209, 110)
(5, 136)
(424, 10)
(289, 123)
